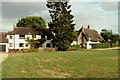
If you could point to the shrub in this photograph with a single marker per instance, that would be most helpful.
(115, 44)
(49, 49)
(101, 45)
(32, 50)
(74, 47)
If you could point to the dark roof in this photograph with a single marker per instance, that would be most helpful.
(93, 34)
(23, 31)
(26, 30)
(3, 38)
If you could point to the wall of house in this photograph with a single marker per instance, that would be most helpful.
(80, 39)
(14, 43)
(74, 43)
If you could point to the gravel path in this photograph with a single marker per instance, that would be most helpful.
(3, 56)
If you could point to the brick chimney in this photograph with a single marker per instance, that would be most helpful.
(88, 27)
(82, 28)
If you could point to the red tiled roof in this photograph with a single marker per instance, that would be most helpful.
(3, 38)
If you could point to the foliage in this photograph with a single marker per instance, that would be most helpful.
(74, 47)
(49, 49)
(32, 50)
(109, 37)
(75, 35)
(61, 24)
(63, 64)
(32, 22)
(35, 43)
(115, 44)
(101, 45)
(106, 36)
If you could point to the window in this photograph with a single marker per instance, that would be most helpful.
(22, 36)
(10, 45)
(21, 44)
(48, 38)
(48, 45)
(26, 44)
(11, 37)
(42, 36)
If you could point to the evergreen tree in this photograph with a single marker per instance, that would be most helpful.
(61, 25)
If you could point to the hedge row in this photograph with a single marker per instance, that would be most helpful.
(101, 45)
(74, 47)
(115, 44)
(105, 45)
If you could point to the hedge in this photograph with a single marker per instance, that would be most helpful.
(101, 45)
(115, 44)
(74, 47)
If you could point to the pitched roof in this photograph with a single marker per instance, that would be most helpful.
(3, 38)
(23, 31)
(26, 30)
(91, 33)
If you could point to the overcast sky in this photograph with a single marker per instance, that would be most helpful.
(96, 13)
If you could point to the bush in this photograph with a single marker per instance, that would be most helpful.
(49, 49)
(32, 50)
(74, 47)
(101, 45)
(115, 44)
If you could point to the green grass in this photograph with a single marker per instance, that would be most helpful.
(70, 64)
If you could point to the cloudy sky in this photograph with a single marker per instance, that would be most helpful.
(98, 14)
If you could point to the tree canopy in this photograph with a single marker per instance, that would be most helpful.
(32, 22)
(107, 36)
(61, 25)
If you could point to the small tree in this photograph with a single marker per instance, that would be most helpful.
(106, 36)
(109, 36)
(61, 24)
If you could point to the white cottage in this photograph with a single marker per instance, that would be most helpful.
(87, 37)
(17, 38)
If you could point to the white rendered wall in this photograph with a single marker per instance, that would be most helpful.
(16, 40)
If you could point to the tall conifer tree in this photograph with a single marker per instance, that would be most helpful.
(61, 24)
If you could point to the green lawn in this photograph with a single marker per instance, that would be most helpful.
(70, 64)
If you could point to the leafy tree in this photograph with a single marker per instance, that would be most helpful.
(61, 25)
(106, 36)
(32, 22)
(109, 36)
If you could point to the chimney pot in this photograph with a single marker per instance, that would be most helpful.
(88, 27)
(82, 28)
